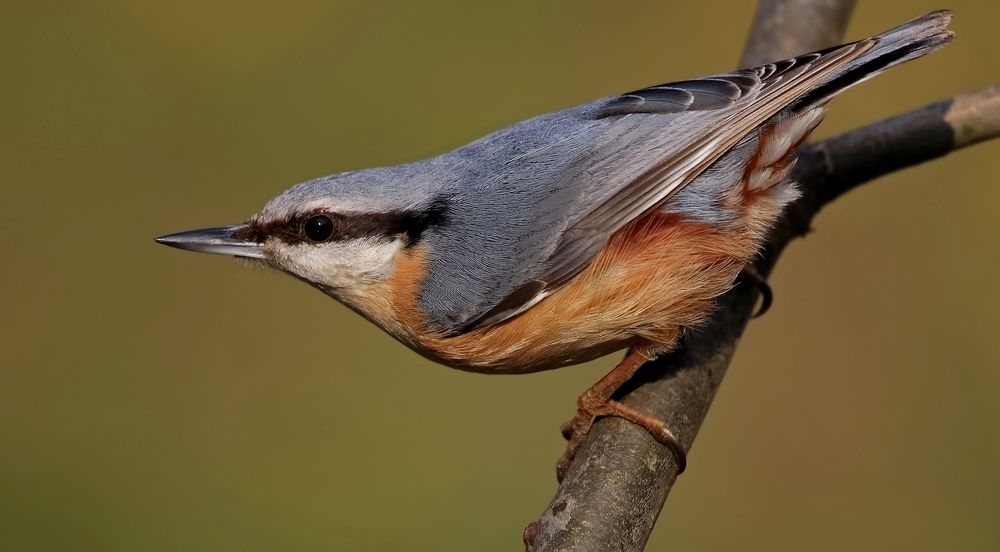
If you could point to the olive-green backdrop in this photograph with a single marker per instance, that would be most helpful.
(159, 401)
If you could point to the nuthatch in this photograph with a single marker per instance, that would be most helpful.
(569, 236)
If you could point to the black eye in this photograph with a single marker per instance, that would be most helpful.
(318, 228)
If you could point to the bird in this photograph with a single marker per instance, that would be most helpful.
(566, 237)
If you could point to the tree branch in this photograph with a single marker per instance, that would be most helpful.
(613, 492)
(785, 28)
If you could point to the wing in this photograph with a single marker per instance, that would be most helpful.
(537, 201)
(641, 148)
(739, 106)
(548, 193)
(557, 199)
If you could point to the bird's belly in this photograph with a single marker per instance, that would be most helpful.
(653, 278)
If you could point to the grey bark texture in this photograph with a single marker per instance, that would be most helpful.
(614, 491)
(785, 28)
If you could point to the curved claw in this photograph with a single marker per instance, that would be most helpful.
(766, 298)
(751, 276)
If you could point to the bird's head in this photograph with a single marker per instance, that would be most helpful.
(341, 233)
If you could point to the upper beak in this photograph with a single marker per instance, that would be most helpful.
(214, 240)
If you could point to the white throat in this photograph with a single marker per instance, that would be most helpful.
(346, 267)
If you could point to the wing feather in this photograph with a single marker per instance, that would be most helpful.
(765, 89)
(536, 202)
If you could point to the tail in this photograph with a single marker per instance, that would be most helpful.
(910, 40)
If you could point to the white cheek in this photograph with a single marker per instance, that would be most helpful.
(340, 265)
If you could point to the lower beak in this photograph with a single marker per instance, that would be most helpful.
(214, 240)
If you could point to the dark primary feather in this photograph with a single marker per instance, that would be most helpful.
(690, 95)
(706, 93)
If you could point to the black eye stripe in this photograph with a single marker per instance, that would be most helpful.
(311, 228)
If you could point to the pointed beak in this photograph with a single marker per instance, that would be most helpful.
(214, 240)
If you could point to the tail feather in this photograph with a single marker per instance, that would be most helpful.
(932, 26)
(908, 41)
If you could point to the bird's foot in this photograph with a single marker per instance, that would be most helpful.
(591, 407)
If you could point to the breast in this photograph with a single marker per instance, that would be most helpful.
(654, 277)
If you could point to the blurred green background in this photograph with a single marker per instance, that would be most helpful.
(155, 400)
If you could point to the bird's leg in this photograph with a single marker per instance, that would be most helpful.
(597, 401)
(749, 275)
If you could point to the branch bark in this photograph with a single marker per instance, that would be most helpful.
(785, 28)
(614, 491)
